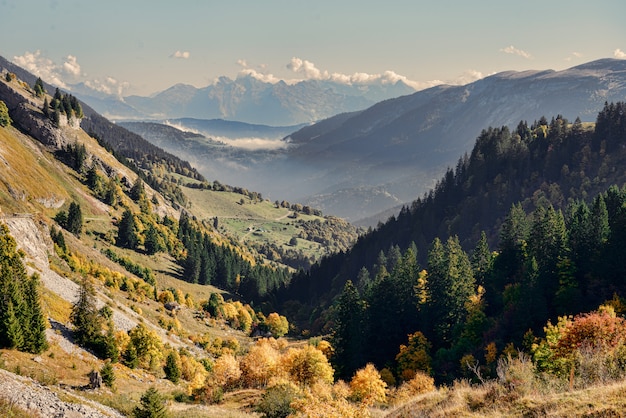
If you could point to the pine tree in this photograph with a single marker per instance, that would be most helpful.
(38, 87)
(85, 316)
(153, 241)
(451, 283)
(349, 332)
(46, 107)
(172, 367)
(127, 231)
(13, 333)
(74, 219)
(35, 330)
(152, 405)
(108, 374)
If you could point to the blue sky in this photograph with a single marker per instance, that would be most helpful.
(141, 46)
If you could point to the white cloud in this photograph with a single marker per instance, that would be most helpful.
(181, 54)
(71, 66)
(515, 51)
(264, 77)
(618, 53)
(307, 69)
(40, 66)
(108, 86)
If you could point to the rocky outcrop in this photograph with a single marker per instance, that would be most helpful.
(43, 402)
(26, 115)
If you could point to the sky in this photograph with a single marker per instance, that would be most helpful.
(125, 47)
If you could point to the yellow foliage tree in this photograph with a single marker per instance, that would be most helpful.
(307, 365)
(414, 357)
(259, 364)
(193, 372)
(368, 387)
(277, 324)
(226, 371)
(148, 345)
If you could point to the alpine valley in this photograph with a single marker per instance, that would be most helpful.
(364, 161)
(194, 258)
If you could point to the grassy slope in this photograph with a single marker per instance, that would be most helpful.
(252, 222)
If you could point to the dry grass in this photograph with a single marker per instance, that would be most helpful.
(9, 410)
(494, 400)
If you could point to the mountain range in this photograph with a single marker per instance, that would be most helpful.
(360, 163)
(246, 99)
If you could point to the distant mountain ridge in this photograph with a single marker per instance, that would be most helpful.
(247, 99)
(357, 164)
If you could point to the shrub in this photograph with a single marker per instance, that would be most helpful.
(276, 401)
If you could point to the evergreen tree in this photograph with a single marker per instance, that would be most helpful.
(108, 374)
(35, 330)
(85, 316)
(22, 324)
(349, 332)
(138, 191)
(152, 405)
(481, 259)
(74, 219)
(12, 327)
(127, 231)
(172, 367)
(450, 285)
(46, 107)
(39, 89)
(153, 240)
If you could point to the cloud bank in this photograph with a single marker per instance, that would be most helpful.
(618, 53)
(306, 70)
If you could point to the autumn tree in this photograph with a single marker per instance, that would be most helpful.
(414, 357)
(260, 363)
(277, 324)
(147, 345)
(226, 370)
(307, 365)
(368, 387)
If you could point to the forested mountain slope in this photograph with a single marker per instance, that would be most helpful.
(541, 193)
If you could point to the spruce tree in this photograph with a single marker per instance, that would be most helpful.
(108, 374)
(152, 405)
(172, 367)
(85, 316)
(35, 330)
(74, 219)
(127, 231)
(349, 332)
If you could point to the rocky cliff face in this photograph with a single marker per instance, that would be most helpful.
(27, 115)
